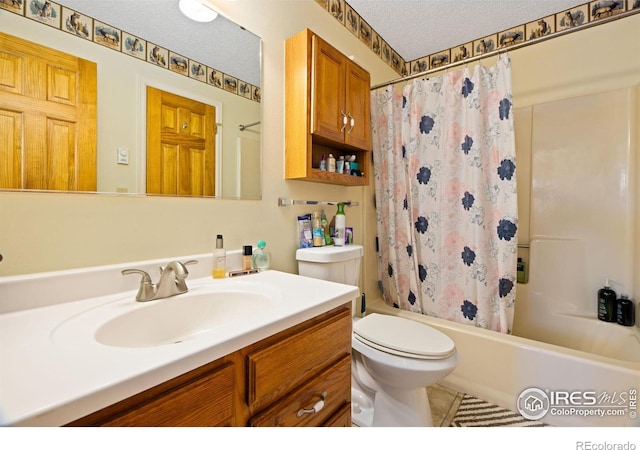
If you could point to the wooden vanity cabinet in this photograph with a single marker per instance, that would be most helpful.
(327, 110)
(274, 382)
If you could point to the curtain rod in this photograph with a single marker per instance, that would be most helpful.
(242, 127)
(506, 49)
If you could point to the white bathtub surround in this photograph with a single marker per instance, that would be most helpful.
(558, 307)
(54, 370)
(517, 363)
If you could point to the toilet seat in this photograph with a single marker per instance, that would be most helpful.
(402, 337)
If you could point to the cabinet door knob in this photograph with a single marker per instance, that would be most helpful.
(352, 123)
(316, 408)
(344, 121)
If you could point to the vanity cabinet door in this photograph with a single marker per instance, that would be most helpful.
(329, 392)
(329, 109)
(341, 98)
(357, 101)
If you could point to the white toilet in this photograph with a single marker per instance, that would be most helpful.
(393, 360)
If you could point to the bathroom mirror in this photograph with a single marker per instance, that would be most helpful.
(227, 52)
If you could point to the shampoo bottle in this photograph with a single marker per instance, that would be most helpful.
(219, 259)
(339, 238)
(520, 271)
(331, 163)
(607, 303)
(325, 228)
(625, 314)
(317, 231)
(261, 257)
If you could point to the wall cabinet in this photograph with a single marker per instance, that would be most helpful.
(298, 377)
(327, 110)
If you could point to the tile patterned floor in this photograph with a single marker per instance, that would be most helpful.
(444, 404)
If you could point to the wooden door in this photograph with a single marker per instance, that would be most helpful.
(47, 118)
(358, 85)
(180, 145)
(328, 101)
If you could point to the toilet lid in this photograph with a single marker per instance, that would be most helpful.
(401, 336)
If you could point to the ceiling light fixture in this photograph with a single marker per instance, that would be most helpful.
(196, 10)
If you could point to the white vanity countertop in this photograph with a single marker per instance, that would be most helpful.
(50, 376)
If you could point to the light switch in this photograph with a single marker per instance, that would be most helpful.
(123, 156)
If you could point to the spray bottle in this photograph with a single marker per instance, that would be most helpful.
(341, 219)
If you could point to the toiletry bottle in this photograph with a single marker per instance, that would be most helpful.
(607, 303)
(625, 314)
(323, 163)
(339, 238)
(219, 259)
(332, 230)
(247, 257)
(340, 164)
(347, 167)
(331, 163)
(261, 257)
(325, 227)
(317, 231)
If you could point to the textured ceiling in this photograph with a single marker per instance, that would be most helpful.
(220, 44)
(418, 28)
(413, 28)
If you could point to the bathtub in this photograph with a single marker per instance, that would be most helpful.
(498, 368)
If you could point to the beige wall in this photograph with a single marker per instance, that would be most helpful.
(40, 232)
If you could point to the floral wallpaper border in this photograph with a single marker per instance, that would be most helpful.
(85, 27)
(592, 11)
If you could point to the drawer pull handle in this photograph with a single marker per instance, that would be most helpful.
(316, 408)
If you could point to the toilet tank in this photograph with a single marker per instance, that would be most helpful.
(331, 263)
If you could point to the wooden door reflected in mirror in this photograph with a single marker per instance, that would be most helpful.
(47, 118)
(180, 145)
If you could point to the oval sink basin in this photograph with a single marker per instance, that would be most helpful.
(180, 318)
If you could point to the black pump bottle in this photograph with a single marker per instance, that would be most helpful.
(607, 303)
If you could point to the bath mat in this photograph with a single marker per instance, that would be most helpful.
(474, 412)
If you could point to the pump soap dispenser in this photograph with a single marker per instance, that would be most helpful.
(607, 303)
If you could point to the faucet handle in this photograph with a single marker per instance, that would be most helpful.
(147, 290)
(189, 263)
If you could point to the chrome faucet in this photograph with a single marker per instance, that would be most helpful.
(172, 281)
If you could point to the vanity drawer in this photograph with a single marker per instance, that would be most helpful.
(202, 397)
(276, 369)
(333, 385)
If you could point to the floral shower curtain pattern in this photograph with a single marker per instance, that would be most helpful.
(445, 183)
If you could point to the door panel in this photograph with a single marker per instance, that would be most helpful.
(358, 89)
(328, 91)
(10, 149)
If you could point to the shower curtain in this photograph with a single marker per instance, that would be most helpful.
(446, 205)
